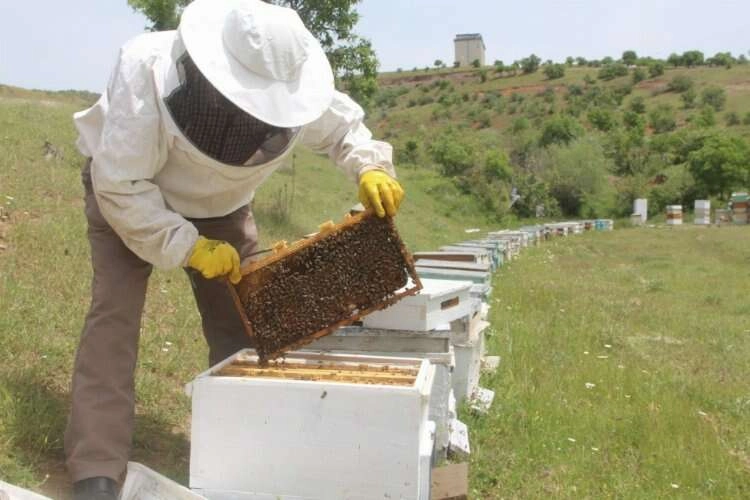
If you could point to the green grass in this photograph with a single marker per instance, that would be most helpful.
(625, 362)
(690, 284)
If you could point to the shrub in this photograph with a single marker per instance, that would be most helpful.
(629, 57)
(633, 120)
(530, 64)
(475, 63)
(483, 75)
(611, 71)
(746, 119)
(602, 119)
(639, 74)
(560, 130)
(715, 97)
(732, 118)
(662, 119)
(688, 98)
(638, 105)
(721, 164)
(680, 83)
(705, 118)
(656, 69)
(453, 157)
(554, 71)
(409, 153)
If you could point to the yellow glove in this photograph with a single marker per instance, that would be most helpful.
(215, 258)
(380, 192)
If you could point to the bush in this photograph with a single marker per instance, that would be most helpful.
(611, 71)
(715, 97)
(656, 69)
(409, 153)
(629, 57)
(633, 120)
(638, 105)
(677, 187)
(746, 119)
(475, 63)
(721, 164)
(688, 98)
(589, 80)
(639, 74)
(705, 118)
(602, 119)
(554, 71)
(680, 83)
(530, 64)
(482, 75)
(560, 130)
(578, 178)
(453, 157)
(732, 118)
(662, 119)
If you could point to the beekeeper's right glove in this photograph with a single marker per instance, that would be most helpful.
(215, 258)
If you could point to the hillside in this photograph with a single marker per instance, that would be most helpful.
(580, 144)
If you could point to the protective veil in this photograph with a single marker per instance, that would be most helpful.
(215, 125)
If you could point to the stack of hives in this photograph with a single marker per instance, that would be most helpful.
(702, 212)
(740, 203)
(640, 211)
(674, 215)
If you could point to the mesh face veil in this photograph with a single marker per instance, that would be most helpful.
(215, 125)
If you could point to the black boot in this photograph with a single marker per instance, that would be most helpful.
(95, 488)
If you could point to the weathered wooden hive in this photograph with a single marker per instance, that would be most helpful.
(311, 288)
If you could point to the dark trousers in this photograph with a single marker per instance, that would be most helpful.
(100, 427)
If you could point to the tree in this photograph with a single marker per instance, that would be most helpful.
(581, 61)
(439, 63)
(554, 71)
(499, 66)
(569, 61)
(714, 97)
(732, 118)
(675, 60)
(629, 57)
(656, 69)
(722, 59)
(721, 164)
(560, 130)
(476, 63)
(454, 157)
(530, 64)
(331, 21)
(692, 58)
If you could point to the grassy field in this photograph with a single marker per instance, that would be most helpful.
(670, 404)
(625, 369)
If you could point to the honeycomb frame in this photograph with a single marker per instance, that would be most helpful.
(253, 272)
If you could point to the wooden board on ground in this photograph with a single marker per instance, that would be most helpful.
(450, 482)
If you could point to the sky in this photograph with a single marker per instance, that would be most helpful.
(72, 44)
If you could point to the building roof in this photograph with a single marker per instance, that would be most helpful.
(464, 37)
(468, 36)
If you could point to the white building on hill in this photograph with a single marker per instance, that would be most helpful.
(469, 48)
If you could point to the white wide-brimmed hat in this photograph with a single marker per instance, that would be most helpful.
(261, 57)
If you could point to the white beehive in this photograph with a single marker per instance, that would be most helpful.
(458, 256)
(640, 208)
(434, 346)
(439, 302)
(495, 254)
(468, 369)
(674, 215)
(432, 273)
(315, 426)
(702, 212)
(142, 483)
(447, 264)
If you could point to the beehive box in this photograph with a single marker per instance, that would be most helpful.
(439, 301)
(10, 492)
(462, 256)
(434, 346)
(329, 280)
(447, 264)
(453, 275)
(674, 215)
(493, 254)
(465, 379)
(321, 426)
(702, 212)
(143, 483)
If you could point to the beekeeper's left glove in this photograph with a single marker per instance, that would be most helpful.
(380, 192)
(215, 258)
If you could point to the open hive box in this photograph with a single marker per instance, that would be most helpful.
(313, 426)
(311, 288)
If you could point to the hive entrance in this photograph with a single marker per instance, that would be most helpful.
(318, 285)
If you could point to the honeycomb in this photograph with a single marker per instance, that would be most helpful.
(317, 285)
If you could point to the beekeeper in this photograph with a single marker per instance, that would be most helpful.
(191, 123)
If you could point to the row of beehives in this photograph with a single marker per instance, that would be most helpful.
(737, 212)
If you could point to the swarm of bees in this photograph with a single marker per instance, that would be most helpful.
(327, 282)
